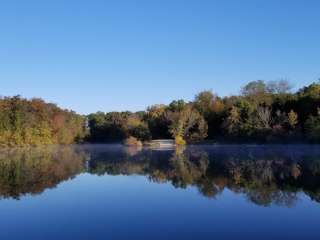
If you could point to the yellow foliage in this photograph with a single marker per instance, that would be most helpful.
(179, 140)
(133, 121)
(293, 118)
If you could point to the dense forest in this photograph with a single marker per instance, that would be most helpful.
(264, 112)
(34, 122)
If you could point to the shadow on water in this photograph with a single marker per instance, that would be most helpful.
(265, 175)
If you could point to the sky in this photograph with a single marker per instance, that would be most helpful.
(100, 55)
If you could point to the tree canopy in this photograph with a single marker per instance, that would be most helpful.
(263, 112)
(35, 122)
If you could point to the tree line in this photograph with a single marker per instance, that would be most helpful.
(35, 122)
(263, 112)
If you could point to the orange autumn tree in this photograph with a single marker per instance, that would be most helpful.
(35, 122)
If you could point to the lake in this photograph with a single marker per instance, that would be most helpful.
(195, 192)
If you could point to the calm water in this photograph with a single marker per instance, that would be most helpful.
(199, 192)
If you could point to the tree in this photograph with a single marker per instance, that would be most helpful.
(312, 127)
(256, 92)
(264, 118)
(177, 105)
(254, 88)
(307, 101)
(292, 119)
(279, 87)
(204, 102)
(117, 126)
(137, 128)
(158, 121)
(232, 123)
(313, 91)
(212, 108)
(35, 122)
(265, 111)
(188, 124)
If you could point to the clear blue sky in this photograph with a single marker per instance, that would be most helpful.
(115, 55)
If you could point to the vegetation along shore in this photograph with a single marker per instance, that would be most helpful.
(264, 112)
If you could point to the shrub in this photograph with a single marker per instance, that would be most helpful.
(141, 132)
(132, 141)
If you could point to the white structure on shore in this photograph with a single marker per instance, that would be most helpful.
(162, 143)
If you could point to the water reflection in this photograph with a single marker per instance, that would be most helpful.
(31, 171)
(265, 175)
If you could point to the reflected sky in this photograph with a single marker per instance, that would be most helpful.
(206, 192)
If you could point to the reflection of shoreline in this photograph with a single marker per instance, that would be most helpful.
(265, 175)
(33, 170)
(270, 176)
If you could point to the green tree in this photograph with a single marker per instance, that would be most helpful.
(254, 88)
(204, 103)
(158, 121)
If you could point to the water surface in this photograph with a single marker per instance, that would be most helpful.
(198, 192)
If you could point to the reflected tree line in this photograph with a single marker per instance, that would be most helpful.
(267, 176)
(31, 171)
(263, 177)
